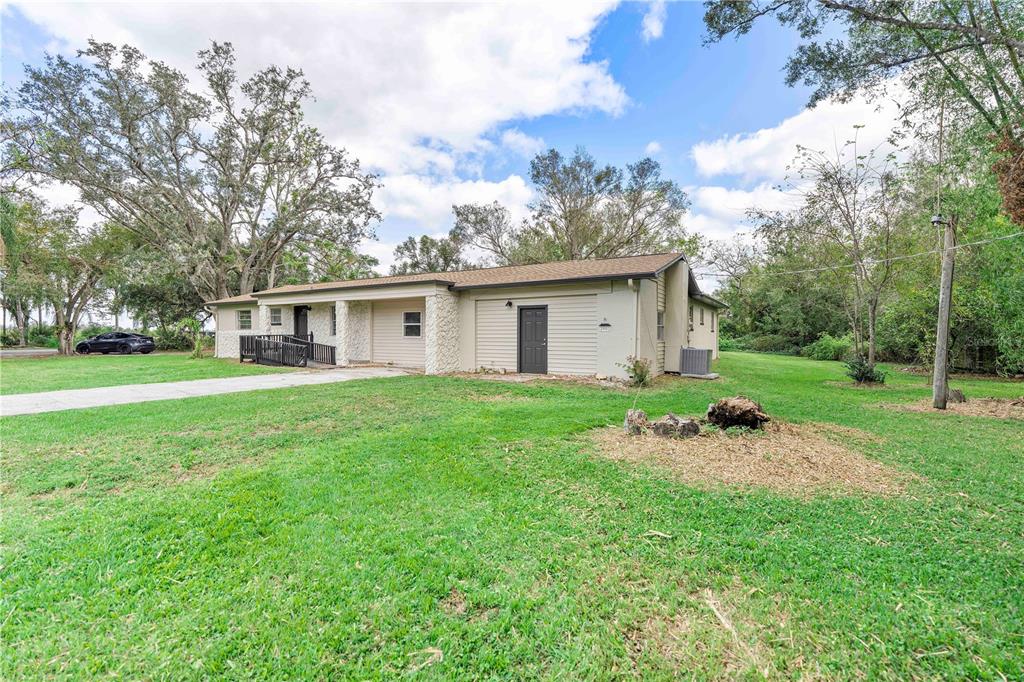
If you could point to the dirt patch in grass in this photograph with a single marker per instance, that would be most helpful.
(1000, 408)
(454, 603)
(709, 633)
(794, 459)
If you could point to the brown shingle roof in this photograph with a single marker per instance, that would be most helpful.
(509, 275)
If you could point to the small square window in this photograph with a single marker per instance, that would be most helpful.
(275, 317)
(702, 317)
(661, 325)
(245, 319)
(411, 324)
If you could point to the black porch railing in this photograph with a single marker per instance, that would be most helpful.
(283, 349)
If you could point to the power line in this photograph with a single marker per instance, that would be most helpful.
(870, 261)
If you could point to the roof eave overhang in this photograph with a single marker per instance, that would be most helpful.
(563, 280)
(710, 300)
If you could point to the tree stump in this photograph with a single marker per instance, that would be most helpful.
(737, 411)
(636, 422)
(674, 426)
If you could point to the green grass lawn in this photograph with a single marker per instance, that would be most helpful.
(54, 373)
(463, 529)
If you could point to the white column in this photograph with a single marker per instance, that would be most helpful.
(441, 333)
(341, 333)
(262, 325)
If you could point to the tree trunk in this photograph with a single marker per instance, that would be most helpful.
(20, 319)
(66, 340)
(872, 320)
(939, 371)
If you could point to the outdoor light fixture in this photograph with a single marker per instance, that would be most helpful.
(937, 220)
(508, 304)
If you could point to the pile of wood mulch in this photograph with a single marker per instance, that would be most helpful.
(799, 460)
(1000, 408)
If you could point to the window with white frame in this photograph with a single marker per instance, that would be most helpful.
(702, 317)
(334, 320)
(245, 319)
(411, 324)
(275, 317)
(661, 325)
(712, 320)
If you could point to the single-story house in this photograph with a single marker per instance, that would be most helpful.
(571, 317)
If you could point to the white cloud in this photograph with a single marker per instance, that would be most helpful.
(521, 144)
(653, 24)
(653, 148)
(765, 154)
(406, 87)
(720, 212)
(429, 201)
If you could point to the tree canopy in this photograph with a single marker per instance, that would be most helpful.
(583, 210)
(221, 181)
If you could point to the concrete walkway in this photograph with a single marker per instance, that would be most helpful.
(52, 401)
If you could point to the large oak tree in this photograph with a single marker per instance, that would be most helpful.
(220, 180)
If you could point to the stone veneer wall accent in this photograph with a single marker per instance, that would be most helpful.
(227, 343)
(441, 338)
(341, 338)
(262, 325)
(352, 342)
(359, 331)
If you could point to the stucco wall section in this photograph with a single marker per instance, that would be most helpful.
(441, 351)
(319, 323)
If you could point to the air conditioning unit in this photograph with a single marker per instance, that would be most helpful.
(695, 361)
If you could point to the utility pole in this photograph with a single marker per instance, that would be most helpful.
(940, 387)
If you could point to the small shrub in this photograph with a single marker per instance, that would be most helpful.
(193, 330)
(728, 343)
(638, 370)
(860, 371)
(829, 347)
(171, 338)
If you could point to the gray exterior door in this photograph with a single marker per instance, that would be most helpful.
(301, 321)
(533, 339)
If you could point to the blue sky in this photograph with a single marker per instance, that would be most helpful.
(448, 102)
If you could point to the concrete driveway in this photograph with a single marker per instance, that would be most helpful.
(26, 352)
(76, 399)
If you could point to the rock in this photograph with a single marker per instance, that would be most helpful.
(955, 395)
(737, 411)
(674, 426)
(600, 377)
(636, 422)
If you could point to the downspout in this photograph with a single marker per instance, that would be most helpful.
(635, 287)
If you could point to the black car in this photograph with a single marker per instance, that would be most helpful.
(125, 343)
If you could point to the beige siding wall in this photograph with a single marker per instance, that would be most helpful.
(389, 343)
(702, 336)
(677, 281)
(572, 333)
(647, 323)
(659, 365)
